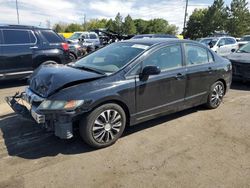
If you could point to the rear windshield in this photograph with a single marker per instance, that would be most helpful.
(51, 36)
(246, 38)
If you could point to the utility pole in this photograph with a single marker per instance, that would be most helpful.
(17, 13)
(84, 22)
(185, 18)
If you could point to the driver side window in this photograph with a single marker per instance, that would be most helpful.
(168, 57)
(222, 42)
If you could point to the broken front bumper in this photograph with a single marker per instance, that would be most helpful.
(26, 104)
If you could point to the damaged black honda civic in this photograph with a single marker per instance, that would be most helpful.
(121, 85)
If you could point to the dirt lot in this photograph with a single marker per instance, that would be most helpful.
(193, 148)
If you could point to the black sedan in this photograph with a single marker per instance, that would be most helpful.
(124, 84)
(241, 63)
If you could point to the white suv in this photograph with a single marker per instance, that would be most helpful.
(88, 37)
(221, 45)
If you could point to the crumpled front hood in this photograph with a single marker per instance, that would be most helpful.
(48, 79)
(240, 57)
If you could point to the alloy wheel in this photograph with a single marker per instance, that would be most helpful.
(217, 95)
(106, 126)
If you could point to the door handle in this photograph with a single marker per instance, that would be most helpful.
(179, 76)
(33, 47)
(210, 70)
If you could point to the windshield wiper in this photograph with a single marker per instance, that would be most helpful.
(88, 69)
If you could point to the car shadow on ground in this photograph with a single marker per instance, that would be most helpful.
(12, 83)
(25, 139)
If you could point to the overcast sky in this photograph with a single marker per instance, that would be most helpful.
(36, 12)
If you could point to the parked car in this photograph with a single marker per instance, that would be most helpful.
(221, 45)
(241, 63)
(24, 48)
(153, 36)
(89, 37)
(244, 40)
(123, 84)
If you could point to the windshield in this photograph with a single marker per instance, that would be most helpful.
(75, 36)
(111, 58)
(245, 38)
(209, 42)
(244, 49)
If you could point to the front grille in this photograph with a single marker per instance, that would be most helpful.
(241, 69)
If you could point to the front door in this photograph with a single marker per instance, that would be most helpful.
(164, 92)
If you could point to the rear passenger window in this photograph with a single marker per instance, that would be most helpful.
(230, 41)
(196, 55)
(92, 36)
(16, 36)
(166, 58)
(51, 36)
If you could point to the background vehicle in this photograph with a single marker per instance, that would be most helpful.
(114, 87)
(89, 37)
(153, 36)
(244, 40)
(241, 63)
(221, 45)
(24, 48)
(107, 36)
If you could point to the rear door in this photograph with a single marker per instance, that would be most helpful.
(201, 69)
(17, 49)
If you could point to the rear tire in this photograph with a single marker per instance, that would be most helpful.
(103, 126)
(72, 57)
(216, 95)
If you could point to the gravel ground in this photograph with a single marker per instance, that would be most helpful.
(193, 148)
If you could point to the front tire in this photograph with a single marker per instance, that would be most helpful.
(103, 126)
(216, 95)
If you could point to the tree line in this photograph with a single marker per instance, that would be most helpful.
(119, 25)
(233, 19)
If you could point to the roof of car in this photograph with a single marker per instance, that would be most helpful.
(11, 26)
(153, 41)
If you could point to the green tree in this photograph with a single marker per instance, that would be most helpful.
(129, 26)
(73, 27)
(57, 28)
(117, 24)
(141, 26)
(195, 25)
(161, 26)
(239, 18)
(96, 24)
(216, 18)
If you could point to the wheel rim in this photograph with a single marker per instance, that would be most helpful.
(217, 95)
(106, 126)
(72, 57)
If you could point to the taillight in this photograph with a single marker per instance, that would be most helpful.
(65, 46)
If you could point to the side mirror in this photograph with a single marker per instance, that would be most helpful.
(233, 50)
(149, 70)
